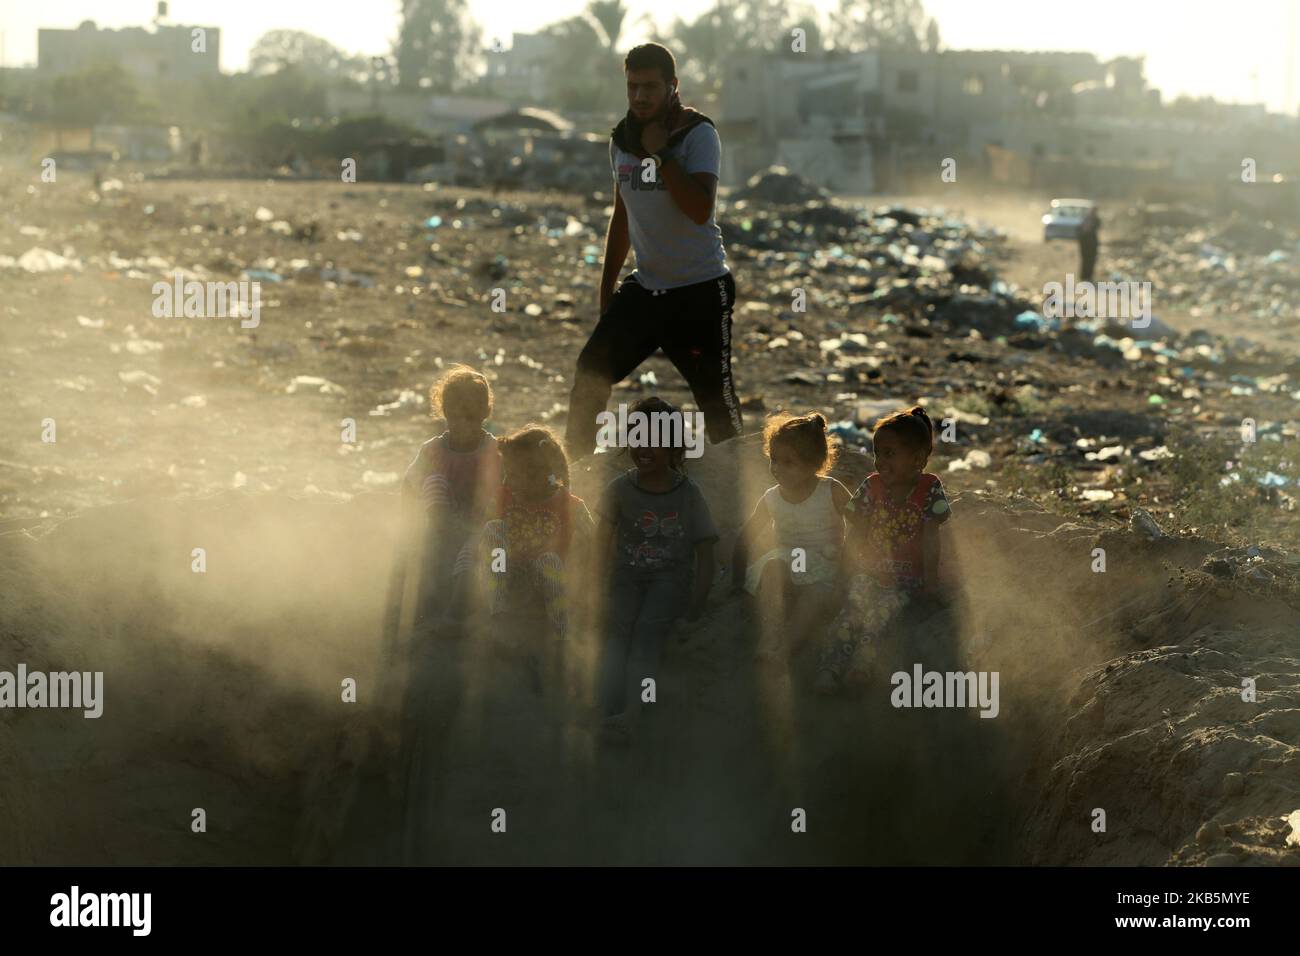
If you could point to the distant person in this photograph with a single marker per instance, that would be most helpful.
(681, 295)
(657, 531)
(798, 591)
(894, 520)
(1088, 242)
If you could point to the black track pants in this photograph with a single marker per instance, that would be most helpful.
(692, 324)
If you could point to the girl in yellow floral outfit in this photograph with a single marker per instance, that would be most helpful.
(537, 520)
(894, 519)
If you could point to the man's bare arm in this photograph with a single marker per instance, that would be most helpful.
(694, 193)
(617, 245)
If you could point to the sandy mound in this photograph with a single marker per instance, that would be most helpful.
(1187, 772)
(223, 692)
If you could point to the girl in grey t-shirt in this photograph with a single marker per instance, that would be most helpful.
(658, 535)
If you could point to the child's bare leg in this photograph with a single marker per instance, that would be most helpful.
(772, 588)
(813, 611)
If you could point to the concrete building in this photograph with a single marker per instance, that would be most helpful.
(819, 116)
(851, 122)
(163, 53)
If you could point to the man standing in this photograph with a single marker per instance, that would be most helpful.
(666, 159)
(1088, 241)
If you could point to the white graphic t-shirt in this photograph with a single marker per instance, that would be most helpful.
(671, 250)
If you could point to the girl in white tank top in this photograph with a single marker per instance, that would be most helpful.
(813, 525)
(800, 520)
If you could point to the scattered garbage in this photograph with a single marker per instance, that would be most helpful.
(975, 458)
(1237, 266)
(40, 260)
(347, 277)
(406, 399)
(851, 434)
(1030, 319)
(140, 347)
(1255, 563)
(380, 479)
(1097, 494)
(777, 184)
(866, 414)
(306, 383)
(1141, 521)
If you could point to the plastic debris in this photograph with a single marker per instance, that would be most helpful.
(1141, 521)
(1097, 494)
(40, 260)
(406, 399)
(307, 383)
(975, 458)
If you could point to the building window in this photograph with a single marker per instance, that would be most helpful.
(973, 85)
(908, 81)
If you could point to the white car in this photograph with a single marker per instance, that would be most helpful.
(1066, 218)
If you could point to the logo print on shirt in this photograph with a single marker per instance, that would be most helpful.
(630, 173)
(669, 526)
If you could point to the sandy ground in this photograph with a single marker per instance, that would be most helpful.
(224, 688)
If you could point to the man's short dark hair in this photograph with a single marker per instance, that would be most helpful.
(652, 56)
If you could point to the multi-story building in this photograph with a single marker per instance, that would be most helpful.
(161, 54)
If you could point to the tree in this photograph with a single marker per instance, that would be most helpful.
(932, 36)
(609, 16)
(878, 25)
(575, 79)
(704, 46)
(289, 95)
(277, 49)
(438, 45)
(101, 93)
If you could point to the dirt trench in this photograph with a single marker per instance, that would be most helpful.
(223, 691)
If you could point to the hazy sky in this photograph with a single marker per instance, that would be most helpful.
(1236, 51)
